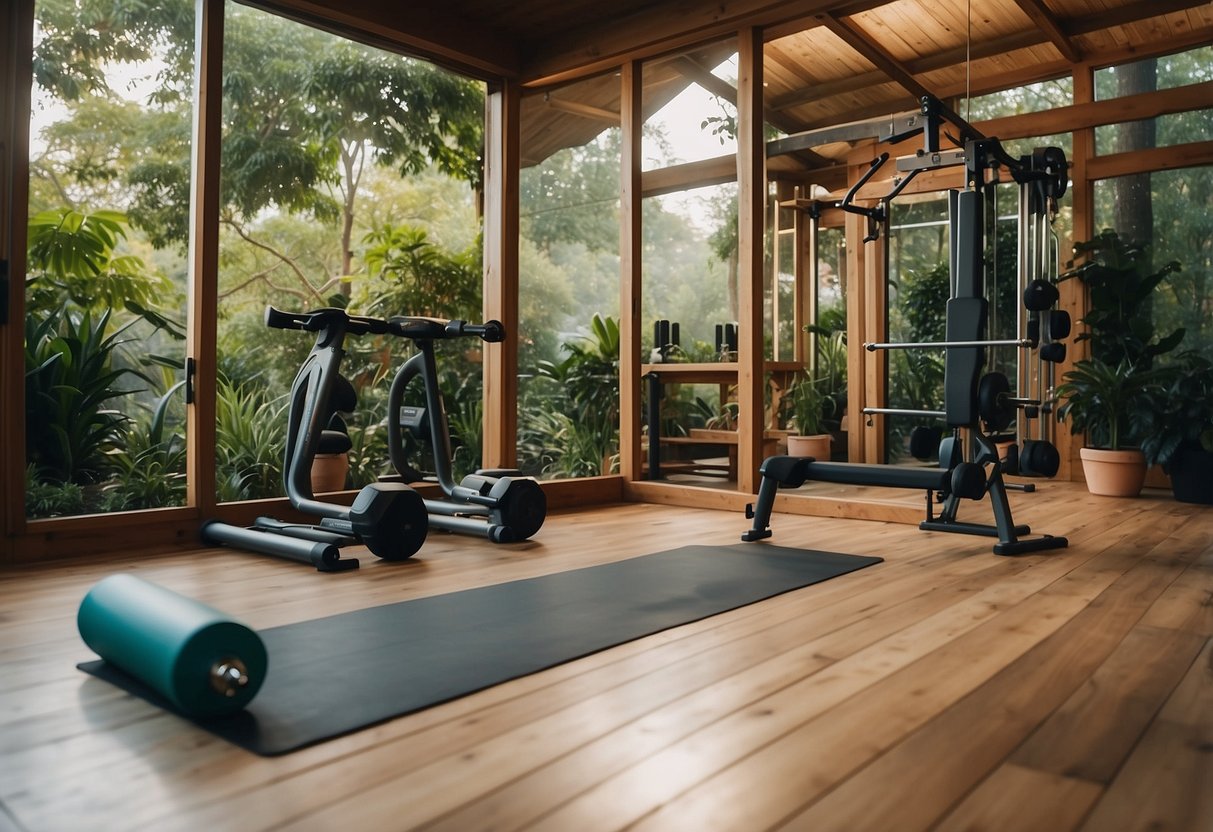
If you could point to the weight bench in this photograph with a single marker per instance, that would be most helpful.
(956, 479)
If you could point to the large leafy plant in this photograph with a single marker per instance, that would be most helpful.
(1121, 281)
(1111, 402)
(71, 383)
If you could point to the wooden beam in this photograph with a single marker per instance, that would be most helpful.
(205, 200)
(1047, 23)
(578, 109)
(631, 245)
(427, 30)
(1154, 159)
(854, 37)
(660, 27)
(501, 175)
(1099, 113)
(752, 197)
(714, 171)
(857, 39)
(16, 80)
(1009, 43)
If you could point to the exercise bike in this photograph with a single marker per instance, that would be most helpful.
(498, 504)
(389, 518)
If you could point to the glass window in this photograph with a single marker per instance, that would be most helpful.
(1172, 211)
(108, 205)
(568, 355)
(349, 180)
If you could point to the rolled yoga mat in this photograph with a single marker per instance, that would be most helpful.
(349, 671)
(204, 663)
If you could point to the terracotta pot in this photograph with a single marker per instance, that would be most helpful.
(816, 446)
(1113, 473)
(329, 471)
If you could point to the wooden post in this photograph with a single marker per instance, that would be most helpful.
(501, 182)
(853, 230)
(16, 43)
(630, 248)
(204, 255)
(752, 193)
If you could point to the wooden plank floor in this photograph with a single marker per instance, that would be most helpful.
(946, 688)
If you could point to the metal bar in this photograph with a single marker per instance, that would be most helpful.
(1003, 342)
(898, 411)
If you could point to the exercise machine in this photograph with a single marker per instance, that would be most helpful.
(498, 504)
(389, 518)
(975, 404)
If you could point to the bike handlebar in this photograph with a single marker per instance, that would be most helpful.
(400, 325)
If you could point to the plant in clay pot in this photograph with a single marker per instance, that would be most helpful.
(808, 402)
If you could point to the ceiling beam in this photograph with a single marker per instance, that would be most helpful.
(857, 39)
(578, 109)
(1047, 22)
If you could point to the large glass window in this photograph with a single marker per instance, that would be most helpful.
(690, 250)
(1149, 75)
(105, 299)
(1172, 212)
(349, 178)
(568, 354)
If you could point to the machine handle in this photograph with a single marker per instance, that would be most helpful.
(318, 319)
(490, 331)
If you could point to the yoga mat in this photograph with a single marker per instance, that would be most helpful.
(334, 675)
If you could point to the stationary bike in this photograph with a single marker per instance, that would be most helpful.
(498, 504)
(389, 518)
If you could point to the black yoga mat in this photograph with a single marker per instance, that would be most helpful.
(335, 675)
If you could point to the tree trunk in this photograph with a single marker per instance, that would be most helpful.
(1133, 210)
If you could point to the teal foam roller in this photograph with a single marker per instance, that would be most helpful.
(205, 663)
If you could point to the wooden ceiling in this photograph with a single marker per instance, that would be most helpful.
(826, 61)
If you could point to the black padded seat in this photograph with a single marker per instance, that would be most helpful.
(891, 476)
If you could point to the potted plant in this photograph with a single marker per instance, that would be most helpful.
(1110, 403)
(1116, 395)
(808, 401)
(1179, 431)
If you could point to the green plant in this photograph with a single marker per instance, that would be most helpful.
(250, 437)
(149, 466)
(70, 383)
(51, 499)
(1183, 413)
(1112, 403)
(807, 402)
(1121, 281)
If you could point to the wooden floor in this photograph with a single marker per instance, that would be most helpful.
(946, 688)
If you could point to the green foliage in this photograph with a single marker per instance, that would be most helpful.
(1121, 286)
(70, 384)
(52, 499)
(575, 425)
(413, 276)
(72, 259)
(922, 298)
(148, 467)
(1183, 412)
(250, 440)
(1111, 402)
(809, 401)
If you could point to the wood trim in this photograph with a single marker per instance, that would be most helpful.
(631, 246)
(501, 174)
(752, 193)
(578, 109)
(1155, 159)
(16, 79)
(205, 200)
